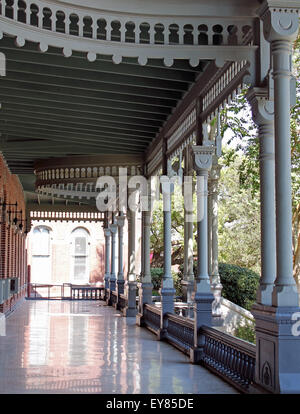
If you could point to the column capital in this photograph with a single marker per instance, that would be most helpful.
(202, 158)
(113, 228)
(107, 232)
(280, 19)
(262, 107)
(120, 221)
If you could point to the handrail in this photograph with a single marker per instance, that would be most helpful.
(232, 358)
(152, 308)
(181, 320)
(76, 291)
(227, 339)
(73, 27)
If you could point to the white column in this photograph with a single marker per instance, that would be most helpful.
(263, 116)
(188, 275)
(107, 235)
(167, 290)
(215, 277)
(112, 281)
(277, 356)
(145, 286)
(281, 29)
(130, 284)
(209, 227)
(120, 279)
(202, 295)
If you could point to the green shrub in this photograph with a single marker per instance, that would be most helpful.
(157, 275)
(246, 332)
(239, 284)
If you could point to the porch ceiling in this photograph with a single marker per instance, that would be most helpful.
(53, 106)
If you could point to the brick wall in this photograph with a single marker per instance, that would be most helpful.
(12, 239)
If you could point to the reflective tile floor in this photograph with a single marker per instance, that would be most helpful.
(87, 347)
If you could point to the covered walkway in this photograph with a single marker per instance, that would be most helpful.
(86, 347)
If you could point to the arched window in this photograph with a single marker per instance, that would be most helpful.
(41, 241)
(41, 255)
(80, 255)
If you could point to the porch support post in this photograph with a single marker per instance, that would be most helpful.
(215, 277)
(188, 273)
(130, 284)
(263, 116)
(107, 235)
(277, 336)
(145, 286)
(167, 290)
(112, 282)
(120, 278)
(202, 295)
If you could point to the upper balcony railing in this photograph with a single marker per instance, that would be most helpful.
(71, 22)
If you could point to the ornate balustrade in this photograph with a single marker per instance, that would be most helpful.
(152, 317)
(180, 332)
(81, 174)
(114, 298)
(65, 215)
(64, 291)
(119, 27)
(85, 293)
(92, 30)
(230, 357)
(122, 302)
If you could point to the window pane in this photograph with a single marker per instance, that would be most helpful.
(41, 239)
(80, 245)
(79, 268)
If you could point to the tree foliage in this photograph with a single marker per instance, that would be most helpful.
(239, 218)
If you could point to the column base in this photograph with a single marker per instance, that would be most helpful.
(187, 288)
(285, 296)
(120, 287)
(140, 320)
(106, 285)
(120, 291)
(264, 294)
(277, 348)
(130, 309)
(167, 299)
(202, 310)
(145, 295)
(129, 312)
(167, 306)
(196, 355)
(112, 284)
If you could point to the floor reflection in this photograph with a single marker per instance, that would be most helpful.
(85, 347)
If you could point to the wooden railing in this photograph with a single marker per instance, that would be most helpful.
(230, 357)
(180, 332)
